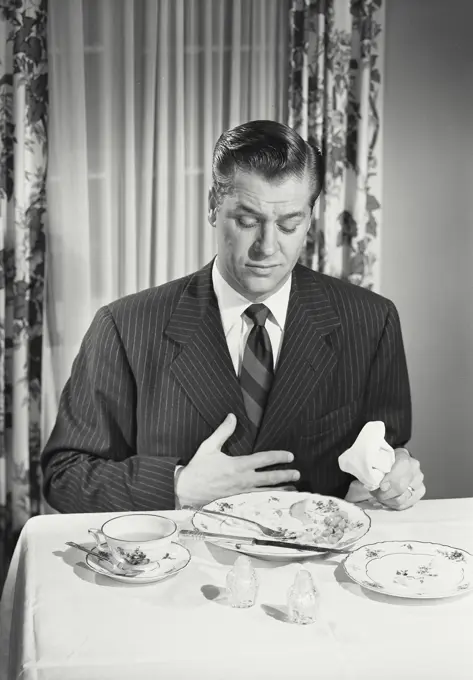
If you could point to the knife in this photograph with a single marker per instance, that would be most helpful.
(204, 535)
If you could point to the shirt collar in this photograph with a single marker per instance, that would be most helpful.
(232, 304)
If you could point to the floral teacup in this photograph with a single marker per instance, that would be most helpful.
(136, 540)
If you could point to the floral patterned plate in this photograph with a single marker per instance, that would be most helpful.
(304, 517)
(173, 562)
(411, 569)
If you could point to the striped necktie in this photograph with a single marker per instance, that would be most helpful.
(257, 370)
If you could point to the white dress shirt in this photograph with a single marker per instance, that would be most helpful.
(237, 326)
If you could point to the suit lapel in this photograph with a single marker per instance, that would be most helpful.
(306, 354)
(204, 367)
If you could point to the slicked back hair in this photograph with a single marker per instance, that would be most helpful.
(268, 148)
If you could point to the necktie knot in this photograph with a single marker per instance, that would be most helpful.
(258, 313)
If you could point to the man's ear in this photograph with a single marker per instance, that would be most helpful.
(311, 220)
(212, 213)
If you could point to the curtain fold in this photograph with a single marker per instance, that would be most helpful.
(336, 63)
(140, 92)
(23, 164)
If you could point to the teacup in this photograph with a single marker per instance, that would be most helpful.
(136, 540)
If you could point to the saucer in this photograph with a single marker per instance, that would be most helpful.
(413, 569)
(172, 563)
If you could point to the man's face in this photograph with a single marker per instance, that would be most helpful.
(261, 228)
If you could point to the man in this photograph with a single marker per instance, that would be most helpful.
(252, 372)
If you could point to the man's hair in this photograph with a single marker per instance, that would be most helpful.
(270, 149)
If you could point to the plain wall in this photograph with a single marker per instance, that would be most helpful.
(427, 242)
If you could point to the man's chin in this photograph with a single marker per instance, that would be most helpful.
(258, 285)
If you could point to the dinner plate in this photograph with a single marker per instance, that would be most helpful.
(172, 563)
(413, 569)
(273, 509)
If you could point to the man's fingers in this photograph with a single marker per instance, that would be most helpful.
(417, 481)
(392, 492)
(218, 438)
(275, 477)
(405, 466)
(413, 493)
(400, 477)
(407, 499)
(400, 491)
(262, 459)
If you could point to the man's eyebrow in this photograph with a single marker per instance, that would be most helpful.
(248, 209)
(253, 211)
(289, 216)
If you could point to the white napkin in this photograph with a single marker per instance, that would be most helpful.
(370, 457)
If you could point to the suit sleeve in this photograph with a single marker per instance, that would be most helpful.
(89, 463)
(388, 396)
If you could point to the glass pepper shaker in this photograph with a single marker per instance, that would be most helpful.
(242, 583)
(303, 599)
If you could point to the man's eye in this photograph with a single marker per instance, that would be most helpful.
(246, 222)
(289, 227)
(287, 230)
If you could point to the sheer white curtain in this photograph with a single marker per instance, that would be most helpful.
(140, 90)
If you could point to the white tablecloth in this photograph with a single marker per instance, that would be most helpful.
(61, 621)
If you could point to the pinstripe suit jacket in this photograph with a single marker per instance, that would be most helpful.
(154, 378)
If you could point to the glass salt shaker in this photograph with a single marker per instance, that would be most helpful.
(242, 583)
(303, 599)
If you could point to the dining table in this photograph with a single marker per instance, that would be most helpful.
(59, 620)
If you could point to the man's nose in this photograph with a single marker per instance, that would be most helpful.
(267, 242)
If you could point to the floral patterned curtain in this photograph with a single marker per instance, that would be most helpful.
(23, 159)
(334, 102)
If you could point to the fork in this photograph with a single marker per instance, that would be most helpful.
(273, 533)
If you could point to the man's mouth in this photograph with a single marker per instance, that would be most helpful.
(262, 266)
(262, 270)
